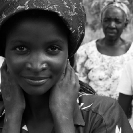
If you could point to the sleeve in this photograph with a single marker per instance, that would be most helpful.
(81, 58)
(111, 119)
(125, 84)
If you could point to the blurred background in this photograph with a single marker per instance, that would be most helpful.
(93, 24)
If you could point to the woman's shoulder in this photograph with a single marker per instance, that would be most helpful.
(104, 112)
(99, 104)
(129, 46)
(128, 67)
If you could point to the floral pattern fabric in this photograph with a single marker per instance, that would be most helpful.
(100, 71)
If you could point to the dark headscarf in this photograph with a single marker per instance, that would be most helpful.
(71, 11)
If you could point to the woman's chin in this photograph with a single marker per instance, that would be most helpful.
(111, 37)
(36, 90)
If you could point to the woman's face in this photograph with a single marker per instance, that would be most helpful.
(36, 54)
(113, 22)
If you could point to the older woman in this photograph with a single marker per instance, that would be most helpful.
(99, 62)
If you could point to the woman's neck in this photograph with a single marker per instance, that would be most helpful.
(112, 42)
(37, 107)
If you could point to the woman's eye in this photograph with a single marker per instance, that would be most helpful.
(21, 49)
(118, 21)
(53, 48)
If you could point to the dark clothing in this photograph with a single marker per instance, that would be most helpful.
(93, 114)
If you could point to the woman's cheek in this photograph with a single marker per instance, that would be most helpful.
(15, 65)
(59, 66)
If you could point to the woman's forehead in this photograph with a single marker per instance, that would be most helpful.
(71, 11)
(114, 12)
(38, 16)
(41, 24)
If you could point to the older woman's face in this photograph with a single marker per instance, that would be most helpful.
(113, 22)
(36, 54)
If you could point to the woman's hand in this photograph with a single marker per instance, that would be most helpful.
(13, 101)
(65, 93)
(62, 101)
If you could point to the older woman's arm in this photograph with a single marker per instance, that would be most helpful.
(125, 89)
(125, 101)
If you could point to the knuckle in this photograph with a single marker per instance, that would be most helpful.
(73, 82)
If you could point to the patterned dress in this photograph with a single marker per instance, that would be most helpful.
(100, 71)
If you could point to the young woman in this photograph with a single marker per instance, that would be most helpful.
(39, 87)
(99, 62)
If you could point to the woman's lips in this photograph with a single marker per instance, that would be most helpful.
(111, 31)
(36, 81)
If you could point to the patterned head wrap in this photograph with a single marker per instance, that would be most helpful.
(71, 11)
(122, 4)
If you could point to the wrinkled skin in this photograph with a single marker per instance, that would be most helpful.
(113, 23)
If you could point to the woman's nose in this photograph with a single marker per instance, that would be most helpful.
(37, 64)
(112, 24)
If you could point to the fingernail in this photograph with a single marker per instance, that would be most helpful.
(68, 61)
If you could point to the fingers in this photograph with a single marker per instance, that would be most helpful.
(4, 74)
(4, 65)
(5, 81)
(75, 81)
(70, 76)
(68, 70)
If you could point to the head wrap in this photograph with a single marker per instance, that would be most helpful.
(122, 4)
(71, 11)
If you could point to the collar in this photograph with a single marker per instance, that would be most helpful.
(77, 117)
